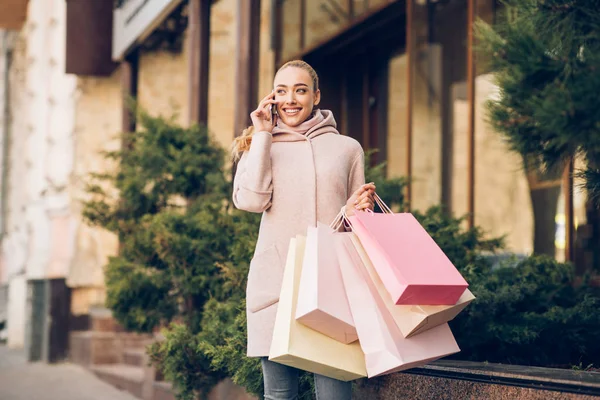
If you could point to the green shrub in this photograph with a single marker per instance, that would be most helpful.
(531, 313)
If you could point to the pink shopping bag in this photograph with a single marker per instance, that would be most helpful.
(322, 302)
(413, 268)
(386, 349)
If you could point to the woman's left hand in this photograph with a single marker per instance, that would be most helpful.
(362, 199)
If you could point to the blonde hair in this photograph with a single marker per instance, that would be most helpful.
(242, 142)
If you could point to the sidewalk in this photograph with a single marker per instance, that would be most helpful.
(20, 380)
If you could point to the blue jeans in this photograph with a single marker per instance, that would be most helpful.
(281, 383)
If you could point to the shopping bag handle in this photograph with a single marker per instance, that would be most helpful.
(342, 217)
(339, 220)
(384, 207)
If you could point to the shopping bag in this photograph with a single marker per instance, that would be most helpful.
(412, 319)
(322, 303)
(386, 349)
(299, 346)
(413, 268)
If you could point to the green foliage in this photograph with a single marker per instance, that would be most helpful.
(391, 190)
(162, 163)
(175, 227)
(546, 55)
(188, 369)
(138, 297)
(464, 247)
(171, 220)
(523, 311)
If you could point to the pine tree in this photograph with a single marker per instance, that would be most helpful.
(546, 58)
(546, 55)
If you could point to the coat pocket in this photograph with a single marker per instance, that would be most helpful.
(264, 280)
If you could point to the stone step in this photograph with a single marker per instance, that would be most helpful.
(163, 391)
(224, 390)
(122, 376)
(101, 320)
(89, 348)
(134, 357)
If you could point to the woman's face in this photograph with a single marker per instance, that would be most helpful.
(295, 95)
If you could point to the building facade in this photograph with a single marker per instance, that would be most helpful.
(400, 76)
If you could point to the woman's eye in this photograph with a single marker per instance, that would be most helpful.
(301, 90)
(280, 91)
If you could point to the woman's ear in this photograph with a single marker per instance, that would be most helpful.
(317, 97)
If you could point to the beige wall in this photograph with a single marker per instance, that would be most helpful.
(427, 129)
(502, 202)
(97, 129)
(164, 80)
(397, 151)
(222, 90)
(266, 71)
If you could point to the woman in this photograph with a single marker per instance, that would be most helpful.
(296, 169)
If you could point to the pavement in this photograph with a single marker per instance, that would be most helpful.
(20, 380)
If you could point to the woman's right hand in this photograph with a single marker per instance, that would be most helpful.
(261, 117)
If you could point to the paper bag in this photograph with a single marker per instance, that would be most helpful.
(414, 319)
(386, 349)
(411, 265)
(299, 346)
(322, 303)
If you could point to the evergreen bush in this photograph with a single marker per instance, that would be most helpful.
(546, 58)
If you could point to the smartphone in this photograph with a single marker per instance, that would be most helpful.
(273, 110)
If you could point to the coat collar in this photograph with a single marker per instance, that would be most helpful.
(321, 123)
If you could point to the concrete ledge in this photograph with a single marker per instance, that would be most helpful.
(471, 380)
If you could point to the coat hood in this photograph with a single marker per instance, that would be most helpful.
(321, 123)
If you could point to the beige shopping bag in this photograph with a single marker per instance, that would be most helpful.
(412, 319)
(299, 346)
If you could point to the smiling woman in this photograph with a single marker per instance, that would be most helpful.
(297, 170)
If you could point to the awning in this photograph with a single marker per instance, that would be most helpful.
(134, 20)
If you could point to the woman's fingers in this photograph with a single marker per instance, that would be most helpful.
(365, 194)
(370, 187)
(270, 96)
(365, 204)
(364, 188)
(269, 99)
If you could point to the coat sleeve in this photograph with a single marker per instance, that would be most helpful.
(356, 178)
(253, 185)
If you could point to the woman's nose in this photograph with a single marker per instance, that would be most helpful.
(291, 98)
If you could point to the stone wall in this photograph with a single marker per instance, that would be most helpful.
(421, 387)
(97, 129)
(13, 249)
(38, 238)
(222, 89)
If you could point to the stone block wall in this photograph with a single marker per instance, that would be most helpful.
(421, 387)
(97, 129)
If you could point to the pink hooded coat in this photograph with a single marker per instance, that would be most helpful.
(295, 177)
